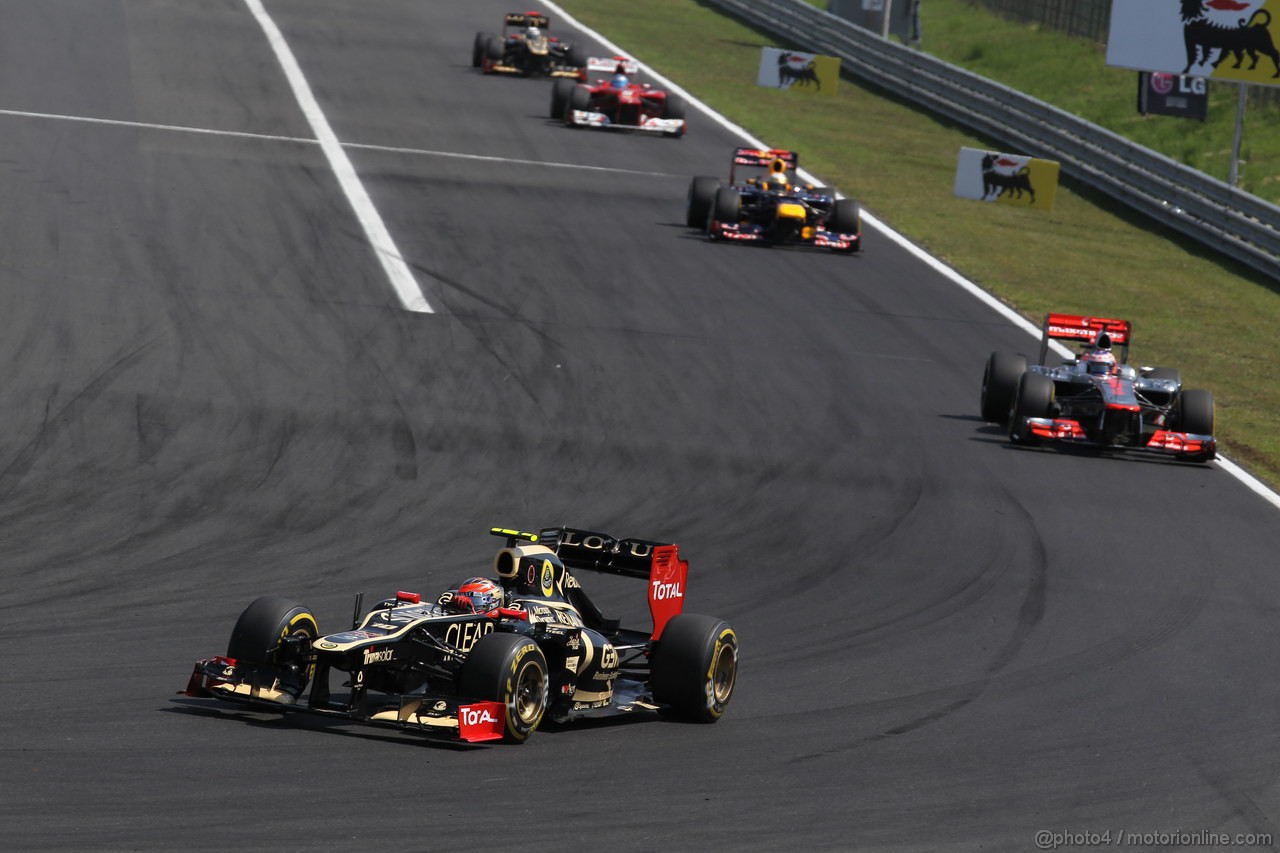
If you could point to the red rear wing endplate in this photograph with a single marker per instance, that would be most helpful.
(762, 157)
(668, 575)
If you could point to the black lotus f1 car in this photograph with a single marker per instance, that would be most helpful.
(1097, 400)
(770, 209)
(541, 650)
(526, 48)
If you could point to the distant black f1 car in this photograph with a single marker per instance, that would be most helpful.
(770, 208)
(489, 659)
(1095, 399)
(526, 48)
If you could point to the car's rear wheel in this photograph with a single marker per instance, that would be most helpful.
(695, 667)
(1165, 373)
(278, 633)
(1000, 385)
(727, 206)
(511, 669)
(560, 95)
(702, 194)
(478, 49)
(1033, 400)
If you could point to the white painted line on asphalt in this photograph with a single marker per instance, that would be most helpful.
(956, 278)
(363, 146)
(393, 263)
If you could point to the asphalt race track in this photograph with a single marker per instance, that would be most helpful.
(210, 392)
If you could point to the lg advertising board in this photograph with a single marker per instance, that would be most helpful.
(1223, 39)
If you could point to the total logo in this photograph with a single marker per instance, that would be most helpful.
(663, 591)
(476, 716)
(378, 656)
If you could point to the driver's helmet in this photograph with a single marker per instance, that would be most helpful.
(474, 595)
(1100, 363)
(619, 81)
(532, 34)
(777, 179)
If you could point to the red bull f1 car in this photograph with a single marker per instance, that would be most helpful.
(493, 658)
(770, 208)
(616, 103)
(1096, 399)
(526, 48)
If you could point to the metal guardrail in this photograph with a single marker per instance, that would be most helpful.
(1208, 210)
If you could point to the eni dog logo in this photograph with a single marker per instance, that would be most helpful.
(1006, 178)
(1222, 39)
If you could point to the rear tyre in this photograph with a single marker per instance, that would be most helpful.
(1033, 400)
(478, 49)
(276, 632)
(1165, 373)
(695, 667)
(727, 206)
(1000, 385)
(560, 95)
(510, 669)
(702, 194)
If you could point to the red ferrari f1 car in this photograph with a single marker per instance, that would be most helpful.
(1096, 399)
(491, 658)
(617, 103)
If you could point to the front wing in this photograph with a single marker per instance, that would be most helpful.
(265, 689)
(1167, 442)
(747, 232)
(591, 118)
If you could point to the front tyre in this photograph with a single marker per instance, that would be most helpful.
(1034, 400)
(478, 49)
(277, 633)
(702, 194)
(560, 91)
(695, 667)
(510, 669)
(1000, 385)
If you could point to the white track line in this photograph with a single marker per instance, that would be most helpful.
(402, 280)
(1005, 311)
(363, 146)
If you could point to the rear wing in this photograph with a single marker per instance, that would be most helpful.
(609, 64)
(527, 19)
(760, 158)
(1077, 327)
(657, 562)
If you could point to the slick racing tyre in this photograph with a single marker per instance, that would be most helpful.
(579, 99)
(478, 49)
(694, 667)
(510, 669)
(276, 632)
(1165, 373)
(1195, 416)
(560, 95)
(1000, 385)
(846, 218)
(727, 206)
(702, 194)
(577, 57)
(1034, 399)
(494, 47)
(673, 107)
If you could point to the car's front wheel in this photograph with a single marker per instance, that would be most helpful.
(511, 669)
(276, 632)
(1000, 385)
(1034, 399)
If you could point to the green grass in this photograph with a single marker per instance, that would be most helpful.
(1216, 321)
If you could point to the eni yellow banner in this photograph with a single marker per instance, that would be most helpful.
(1006, 178)
(798, 72)
(1221, 39)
